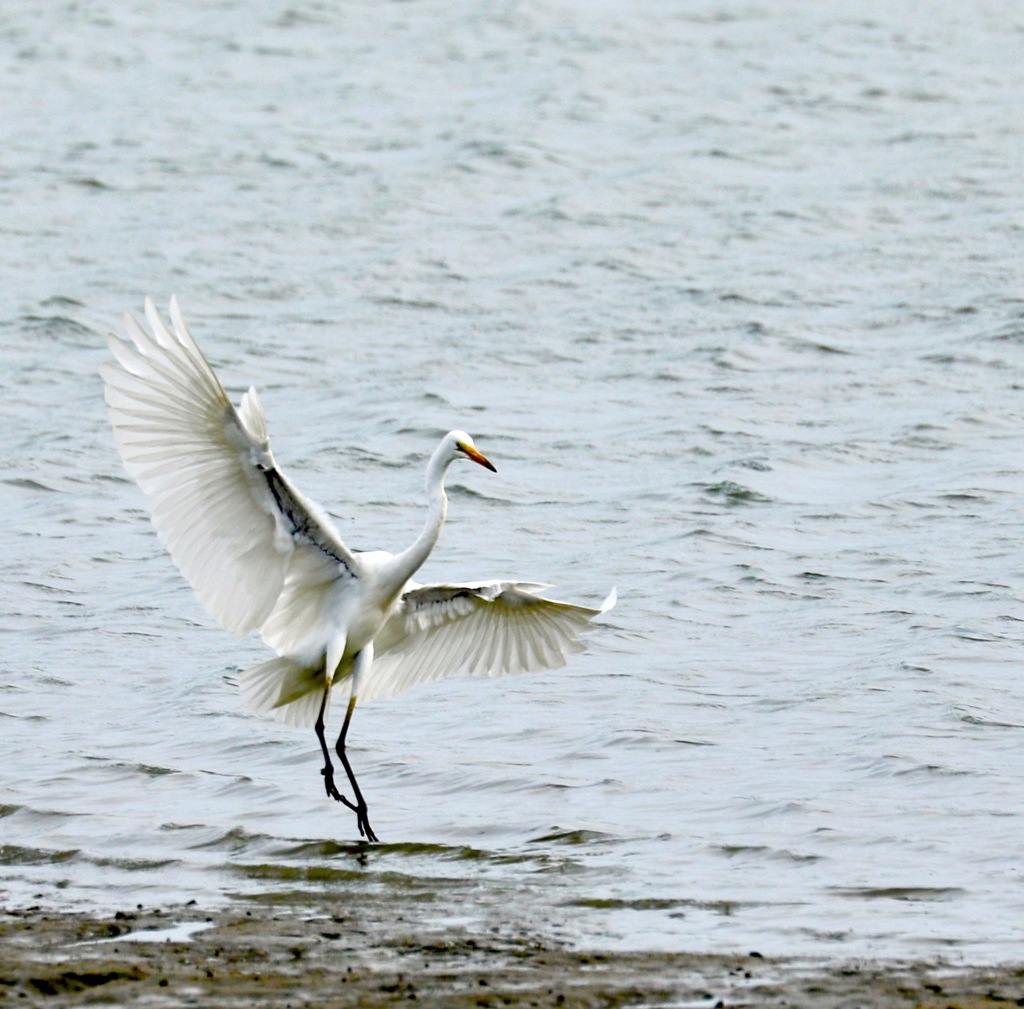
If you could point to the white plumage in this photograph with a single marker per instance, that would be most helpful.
(263, 557)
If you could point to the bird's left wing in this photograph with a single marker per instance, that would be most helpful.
(243, 536)
(484, 629)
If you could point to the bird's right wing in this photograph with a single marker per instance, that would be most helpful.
(234, 525)
(482, 629)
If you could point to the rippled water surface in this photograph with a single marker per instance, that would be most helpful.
(732, 296)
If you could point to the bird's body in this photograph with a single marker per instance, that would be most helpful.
(262, 557)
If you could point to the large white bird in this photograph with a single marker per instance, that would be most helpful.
(262, 557)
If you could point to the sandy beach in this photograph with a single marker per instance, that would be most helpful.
(295, 951)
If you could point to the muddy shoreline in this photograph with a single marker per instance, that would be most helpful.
(306, 950)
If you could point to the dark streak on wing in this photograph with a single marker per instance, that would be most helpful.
(418, 598)
(303, 527)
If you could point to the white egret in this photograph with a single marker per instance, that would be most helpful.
(262, 557)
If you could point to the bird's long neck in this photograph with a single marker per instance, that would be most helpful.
(409, 561)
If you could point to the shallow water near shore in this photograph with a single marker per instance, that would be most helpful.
(733, 302)
(321, 952)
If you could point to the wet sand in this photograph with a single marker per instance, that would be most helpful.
(301, 950)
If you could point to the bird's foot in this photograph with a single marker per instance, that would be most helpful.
(360, 809)
(332, 790)
(364, 823)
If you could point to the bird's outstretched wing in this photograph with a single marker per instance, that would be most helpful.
(483, 629)
(243, 536)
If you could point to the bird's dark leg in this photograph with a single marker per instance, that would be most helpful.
(360, 804)
(328, 769)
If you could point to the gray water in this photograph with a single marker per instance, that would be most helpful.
(731, 295)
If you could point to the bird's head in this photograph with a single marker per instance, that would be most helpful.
(462, 447)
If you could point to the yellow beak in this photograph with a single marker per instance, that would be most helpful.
(478, 457)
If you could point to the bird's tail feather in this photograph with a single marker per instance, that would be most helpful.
(290, 691)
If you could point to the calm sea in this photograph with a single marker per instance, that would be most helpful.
(732, 296)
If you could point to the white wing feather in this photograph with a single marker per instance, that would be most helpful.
(482, 629)
(234, 526)
(291, 691)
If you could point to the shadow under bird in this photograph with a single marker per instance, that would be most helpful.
(262, 557)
